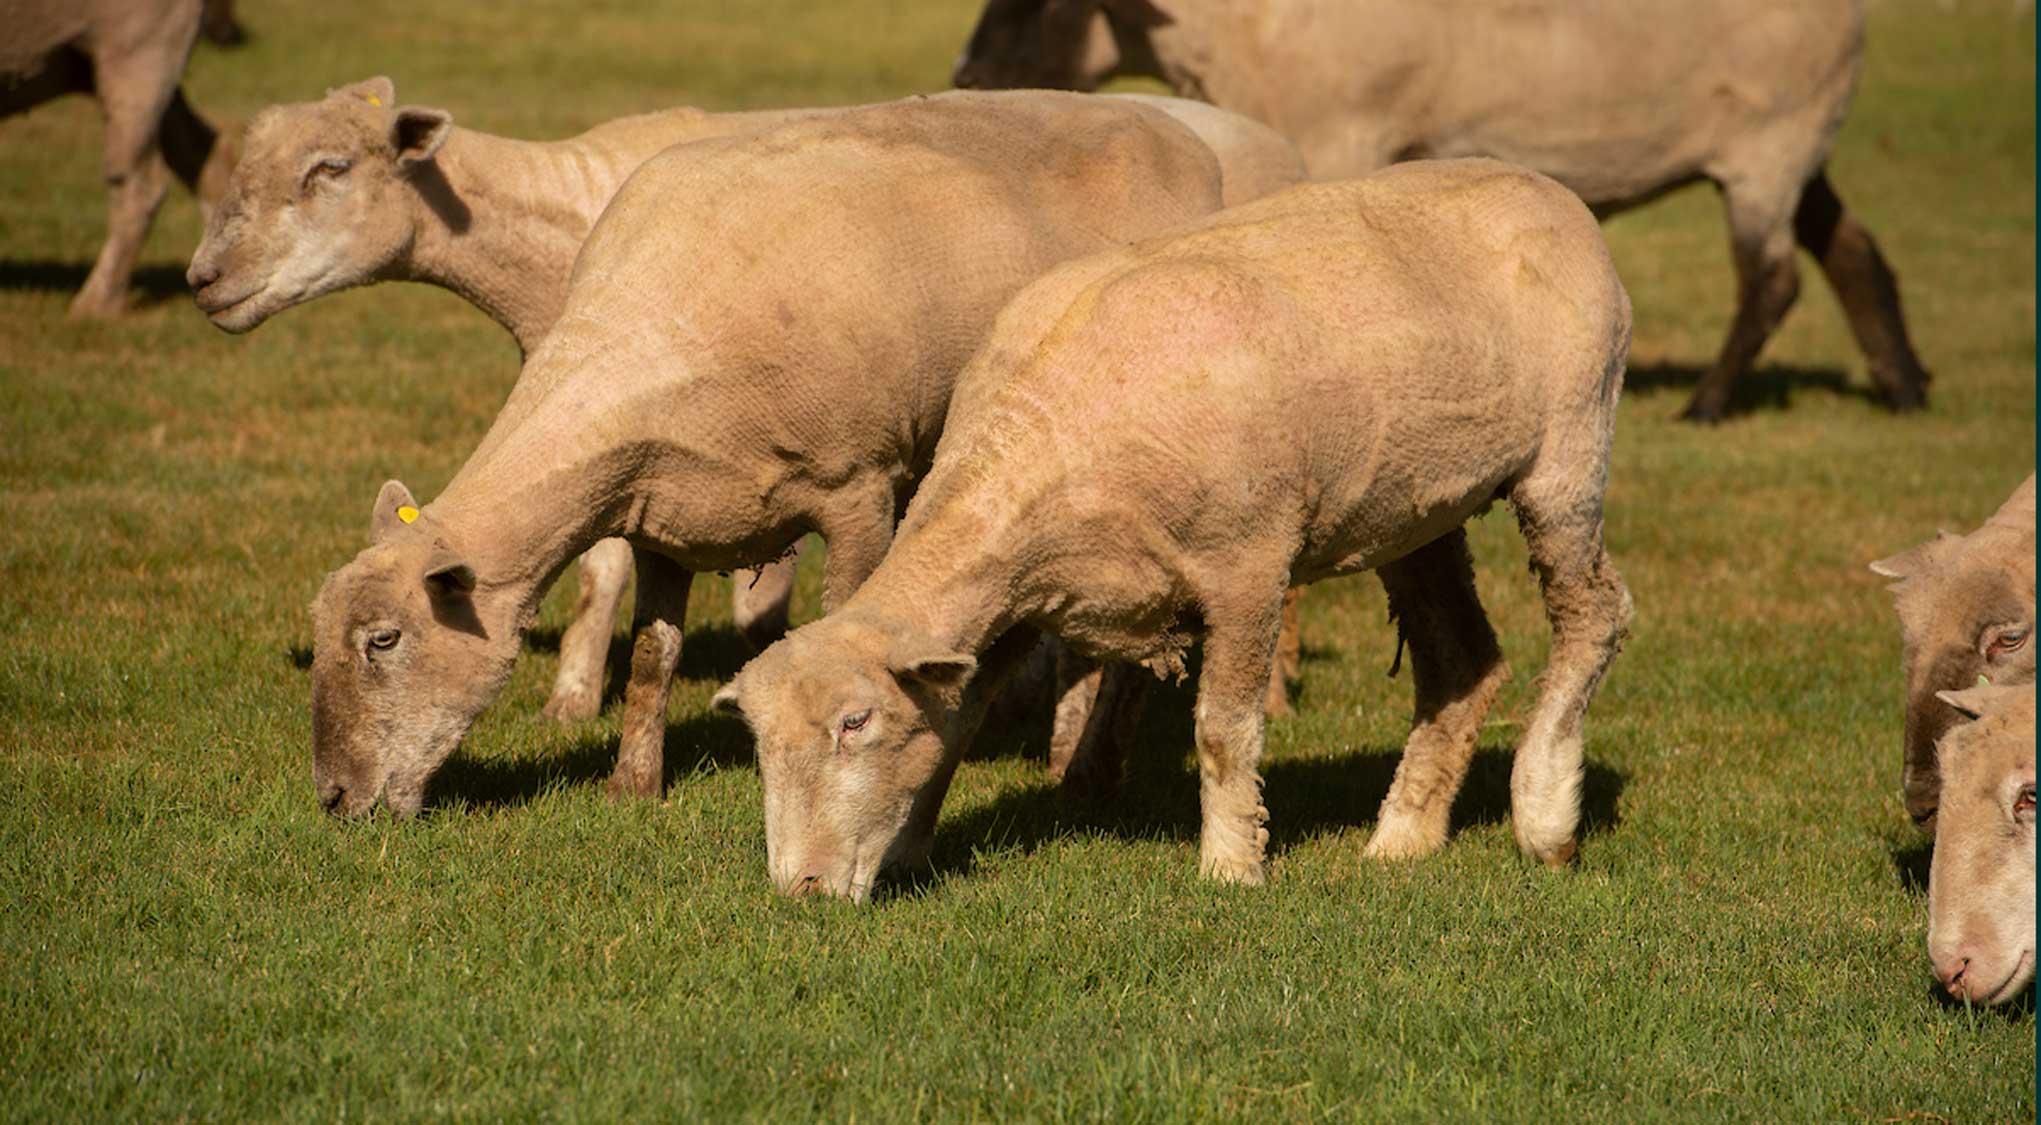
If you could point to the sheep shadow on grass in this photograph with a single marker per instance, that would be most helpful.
(701, 742)
(1307, 797)
(1767, 387)
(1911, 861)
(698, 742)
(147, 286)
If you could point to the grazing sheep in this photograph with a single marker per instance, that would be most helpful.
(1981, 885)
(355, 188)
(1330, 380)
(130, 55)
(758, 341)
(1620, 100)
(1966, 610)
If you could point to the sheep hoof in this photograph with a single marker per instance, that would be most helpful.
(1703, 413)
(630, 787)
(1556, 854)
(1246, 873)
(1392, 842)
(572, 705)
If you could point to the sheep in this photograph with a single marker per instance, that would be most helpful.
(1621, 102)
(356, 188)
(1981, 883)
(130, 55)
(1330, 380)
(758, 341)
(1966, 610)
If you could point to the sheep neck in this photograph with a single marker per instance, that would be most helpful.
(500, 221)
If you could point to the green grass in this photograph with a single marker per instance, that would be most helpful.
(183, 933)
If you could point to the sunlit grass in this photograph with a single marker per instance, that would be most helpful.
(184, 934)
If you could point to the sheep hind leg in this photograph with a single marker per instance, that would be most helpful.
(1768, 282)
(133, 98)
(1867, 288)
(1589, 611)
(584, 647)
(658, 624)
(1289, 653)
(761, 599)
(1458, 668)
(1240, 647)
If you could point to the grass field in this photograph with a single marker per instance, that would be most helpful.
(184, 934)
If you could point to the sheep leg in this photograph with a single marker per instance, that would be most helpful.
(657, 623)
(1767, 283)
(1589, 611)
(133, 95)
(195, 151)
(1240, 647)
(1458, 668)
(1289, 649)
(1096, 719)
(858, 531)
(1867, 288)
(584, 647)
(760, 599)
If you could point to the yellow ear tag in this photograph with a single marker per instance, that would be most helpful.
(408, 514)
(374, 101)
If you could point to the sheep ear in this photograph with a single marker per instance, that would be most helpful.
(377, 91)
(937, 669)
(394, 508)
(417, 132)
(1975, 702)
(447, 574)
(1914, 559)
(727, 699)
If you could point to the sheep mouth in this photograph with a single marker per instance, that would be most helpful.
(214, 308)
(2015, 982)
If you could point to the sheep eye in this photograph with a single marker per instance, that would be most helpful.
(857, 722)
(384, 639)
(332, 167)
(2023, 803)
(2007, 641)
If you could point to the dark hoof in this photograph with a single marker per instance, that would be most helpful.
(1702, 414)
(624, 789)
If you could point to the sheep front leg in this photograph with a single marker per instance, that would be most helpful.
(133, 96)
(657, 624)
(760, 599)
(858, 530)
(584, 647)
(1458, 668)
(1240, 649)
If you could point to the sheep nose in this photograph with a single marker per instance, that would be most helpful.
(330, 796)
(965, 77)
(1949, 971)
(198, 276)
(805, 885)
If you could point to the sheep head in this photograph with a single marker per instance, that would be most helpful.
(851, 717)
(407, 651)
(322, 199)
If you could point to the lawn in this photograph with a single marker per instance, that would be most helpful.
(184, 934)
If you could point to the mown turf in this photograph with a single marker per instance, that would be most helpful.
(183, 933)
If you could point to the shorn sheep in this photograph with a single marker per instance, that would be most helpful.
(758, 342)
(1156, 442)
(130, 55)
(1620, 100)
(1966, 612)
